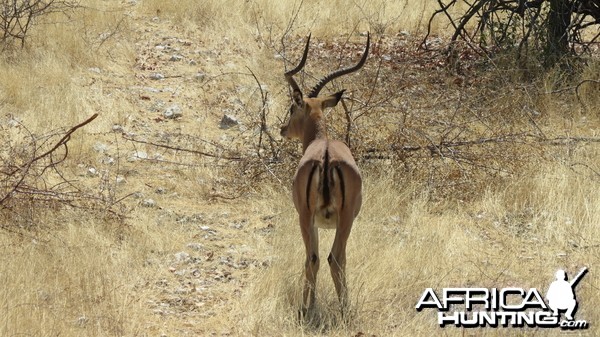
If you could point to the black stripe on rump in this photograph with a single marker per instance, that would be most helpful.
(325, 181)
(308, 183)
(342, 186)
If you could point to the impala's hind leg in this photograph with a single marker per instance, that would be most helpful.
(337, 259)
(311, 265)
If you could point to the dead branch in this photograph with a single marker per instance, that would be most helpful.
(14, 181)
(180, 149)
(263, 119)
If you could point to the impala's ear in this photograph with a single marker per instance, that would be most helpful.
(332, 100)
(297, 98)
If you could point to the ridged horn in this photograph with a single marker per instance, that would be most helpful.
(289, 75)
(321, 84)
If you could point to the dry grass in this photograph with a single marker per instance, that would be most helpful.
(516, 235)
(86, 272)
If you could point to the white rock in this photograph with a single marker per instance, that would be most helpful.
(107, 160)
(137, 155)
(182, 257)
(148, 203)
(174, 111)
(14, 122)
(195, 246)
(92, 172)
(100, 147)
(228, 121)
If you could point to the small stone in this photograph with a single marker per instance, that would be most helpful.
(200, 76)
(117, 128)
(137, 155)
(92, 172)
(173, 112)
(120, 179)
(149, 203)
(182, 257)
(94, 70)
(228, 121)
(176, 58)
(14, 122)
(157, 76)
(100, 147)
(157, 106)
(151, 90)
(195, 246)
(81, 321)
(108, 160)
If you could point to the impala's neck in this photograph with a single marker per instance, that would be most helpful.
(314, 128)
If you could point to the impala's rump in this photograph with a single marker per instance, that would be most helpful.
(325, 194)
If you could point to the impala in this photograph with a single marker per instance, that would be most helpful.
(327, 184)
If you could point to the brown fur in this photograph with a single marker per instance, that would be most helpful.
(327, 187)
(327, 190)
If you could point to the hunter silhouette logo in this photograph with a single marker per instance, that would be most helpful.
(561, 294)
(507, 307)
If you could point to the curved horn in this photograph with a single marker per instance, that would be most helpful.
(289, 74)
(317, 88)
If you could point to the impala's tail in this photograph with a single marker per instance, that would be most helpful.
(326, 180)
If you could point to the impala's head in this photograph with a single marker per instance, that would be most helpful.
(305, 108)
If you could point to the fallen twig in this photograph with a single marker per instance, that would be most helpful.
(175, 148)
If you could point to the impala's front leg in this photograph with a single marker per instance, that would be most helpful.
(311, 265)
